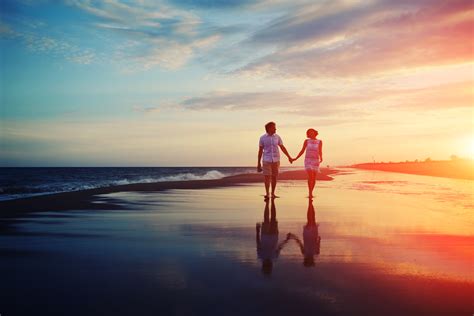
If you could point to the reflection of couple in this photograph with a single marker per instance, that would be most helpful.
(268, 248)
(269, 146)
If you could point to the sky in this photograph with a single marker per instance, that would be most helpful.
(193, 82)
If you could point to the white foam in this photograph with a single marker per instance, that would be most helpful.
(210, 175)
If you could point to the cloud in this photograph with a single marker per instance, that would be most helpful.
(133, 35)
(40, 38)
(335, 105)
(312, 39)
(155, 33)
(38, 43)
(84, 58)
(281, 102)
(341, 39)
(6, 31)
(170, 54)
(445, 96)
(57, 47)
(213, 4)
(145, 109)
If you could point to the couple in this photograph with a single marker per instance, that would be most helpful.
(268, 149)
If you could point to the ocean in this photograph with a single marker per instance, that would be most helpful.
(18, 183)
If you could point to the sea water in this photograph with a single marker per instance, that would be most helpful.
(23, 182)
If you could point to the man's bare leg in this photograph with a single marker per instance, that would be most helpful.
(274, 184)
(267, 186)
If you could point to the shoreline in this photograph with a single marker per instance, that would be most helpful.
(84, 199)
(462, 169)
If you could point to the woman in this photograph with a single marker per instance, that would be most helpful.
(313, 157)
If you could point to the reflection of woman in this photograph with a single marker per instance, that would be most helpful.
(311, 240)
(268, 248)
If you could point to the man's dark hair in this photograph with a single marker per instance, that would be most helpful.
(267, 126)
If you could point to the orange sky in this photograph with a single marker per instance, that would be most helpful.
(117, 83)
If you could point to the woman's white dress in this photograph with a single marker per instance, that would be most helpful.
(311, 159)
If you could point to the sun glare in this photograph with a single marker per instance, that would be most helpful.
(468, 147)
(471, 148)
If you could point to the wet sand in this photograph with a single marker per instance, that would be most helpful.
(84, 199)
(391, 244)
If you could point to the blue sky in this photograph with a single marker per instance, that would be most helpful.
(141, 82)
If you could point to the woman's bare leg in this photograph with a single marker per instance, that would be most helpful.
(310, 183)
(313, 184)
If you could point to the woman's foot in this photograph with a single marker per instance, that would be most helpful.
(275, 196)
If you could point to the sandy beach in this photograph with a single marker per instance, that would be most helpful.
(456, 169)
(391, 244)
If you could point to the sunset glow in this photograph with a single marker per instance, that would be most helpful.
(471, 148)
(173, 83)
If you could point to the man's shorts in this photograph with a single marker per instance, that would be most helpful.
(271, 168)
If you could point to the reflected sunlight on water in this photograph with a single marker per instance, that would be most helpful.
(367, 234)
(405, 224)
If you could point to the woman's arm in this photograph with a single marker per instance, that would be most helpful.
(298, 241)
(320, 151)
(302, 150)
(258, 234)
(282, 244)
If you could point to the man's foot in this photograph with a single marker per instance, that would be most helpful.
(266, 197)
(275, 196)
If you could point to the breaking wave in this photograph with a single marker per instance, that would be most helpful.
(8, 192)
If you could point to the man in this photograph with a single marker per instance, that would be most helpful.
(268, 148)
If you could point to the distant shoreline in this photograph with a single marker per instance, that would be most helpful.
(456, 169)
(84, 199)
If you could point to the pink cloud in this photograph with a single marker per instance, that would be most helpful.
(368, 39)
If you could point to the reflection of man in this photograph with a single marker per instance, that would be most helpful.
(268, 148)
(268, 248)
(311, 240)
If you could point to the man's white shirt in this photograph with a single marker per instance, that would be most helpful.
(271, 152)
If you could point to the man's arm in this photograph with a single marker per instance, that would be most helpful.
(283, 149)
(259, 163)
